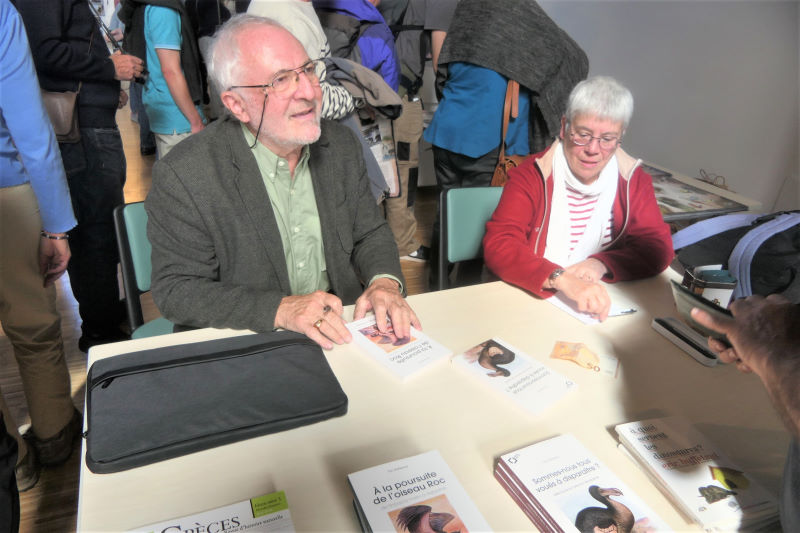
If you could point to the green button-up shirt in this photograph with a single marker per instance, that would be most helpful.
(295, 208)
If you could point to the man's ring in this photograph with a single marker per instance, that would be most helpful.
(326, 309)
(318, 323)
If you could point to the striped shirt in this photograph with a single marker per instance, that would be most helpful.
(581, 208)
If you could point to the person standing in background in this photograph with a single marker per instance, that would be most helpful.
(356, 30)
(173, 91)
(70, 55)
(35, 216)
(420, 27)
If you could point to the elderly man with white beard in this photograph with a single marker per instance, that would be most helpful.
(264, 220)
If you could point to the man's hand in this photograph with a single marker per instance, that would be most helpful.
(384, 298)
(762, 332)
(317, 315)
(590, 296)
(126, 66)
(53, 259)
(197, 125)
(123, 99)
(590, 270)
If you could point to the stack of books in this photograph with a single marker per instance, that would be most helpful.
(696, 476)
(418, 493)
(561, 486)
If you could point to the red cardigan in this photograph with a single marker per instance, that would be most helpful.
(516, 235)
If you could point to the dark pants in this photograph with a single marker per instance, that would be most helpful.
(96, 174)
(147, 140)
(454, 171)
(9, 497)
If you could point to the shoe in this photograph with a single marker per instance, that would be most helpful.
(28, 471)
(420, 254)
(148, 151)
(57, 449)
(88, 340)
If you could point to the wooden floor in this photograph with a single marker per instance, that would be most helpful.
(51, 506)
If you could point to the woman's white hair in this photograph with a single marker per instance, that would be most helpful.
(603, 97)
(225, 52)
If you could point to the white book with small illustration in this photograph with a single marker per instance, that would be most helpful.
(696, 475)
(401, 356)
(515, 374)
(266, 513)
(418, 493)
(562, 486)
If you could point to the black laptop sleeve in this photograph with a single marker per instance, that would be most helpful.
(158, 404)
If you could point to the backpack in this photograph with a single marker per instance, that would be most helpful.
(761, 251)
(343, 33)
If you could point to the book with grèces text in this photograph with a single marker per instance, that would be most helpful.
(418, 493)
(515, 374)
(266, 513)
(562, 487)
(401, 356)
(695, 475)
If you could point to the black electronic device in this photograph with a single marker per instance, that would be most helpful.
(685, 338)
(686, 300)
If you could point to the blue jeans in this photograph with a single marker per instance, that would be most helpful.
(96, 174)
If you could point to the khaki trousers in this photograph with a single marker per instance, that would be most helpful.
(400, 210)
(29, 317)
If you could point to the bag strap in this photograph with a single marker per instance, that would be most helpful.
(510, 107)
(742, 255)
(711, 226)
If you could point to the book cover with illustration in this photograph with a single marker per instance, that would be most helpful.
(561, 486)
(269, 512)
(414, 495)
(512, 372)
(697, 476)
(401, 356)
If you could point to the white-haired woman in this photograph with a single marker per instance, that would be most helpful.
(583, 210)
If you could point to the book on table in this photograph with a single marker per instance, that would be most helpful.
(561, 486)
(401, 356)
(696, 475)
(515, 374)
(266, 513)
(418, 493)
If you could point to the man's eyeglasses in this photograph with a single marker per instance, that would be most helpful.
(285, 82)
(583, 138)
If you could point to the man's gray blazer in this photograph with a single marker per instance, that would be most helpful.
(217, 255)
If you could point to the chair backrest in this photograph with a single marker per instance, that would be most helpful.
(130, 223)
(464, 213)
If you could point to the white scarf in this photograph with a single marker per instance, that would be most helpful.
(558, 229)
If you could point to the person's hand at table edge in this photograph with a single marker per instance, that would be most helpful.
(383, 296)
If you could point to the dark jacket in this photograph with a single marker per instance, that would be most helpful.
(132, 15)
(517, 39)
(217, 256)
(69, 49)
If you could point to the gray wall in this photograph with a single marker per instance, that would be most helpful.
(716, 85)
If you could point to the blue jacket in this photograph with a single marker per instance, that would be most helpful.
(376, 44)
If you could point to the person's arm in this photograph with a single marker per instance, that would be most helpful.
(178, 88)
(29, 126)
(764, 334)
(645, 249)
(437, 40)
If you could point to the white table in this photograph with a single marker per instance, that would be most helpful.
(444, 409)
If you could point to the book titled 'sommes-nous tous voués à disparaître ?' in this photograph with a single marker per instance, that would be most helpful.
(418, 493)
(696, 475)
(561, 486)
